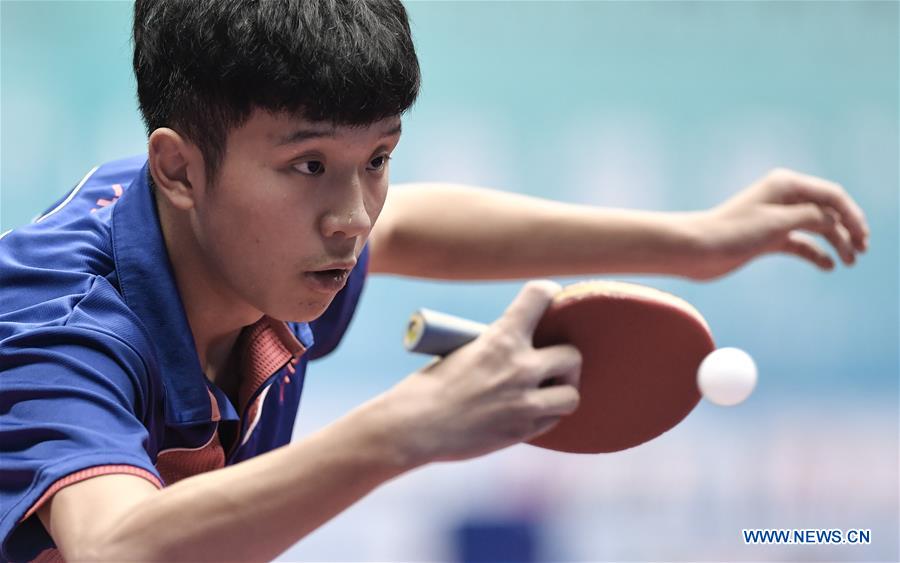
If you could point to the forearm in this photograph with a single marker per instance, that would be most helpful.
(258, 508)
(462, 232)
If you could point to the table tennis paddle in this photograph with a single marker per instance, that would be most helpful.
(640, 348)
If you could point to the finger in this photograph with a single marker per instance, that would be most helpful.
(812, 217)
(804, 246)
(808, 188)
(838, 236)
(557, 400)
(844, 246)
(560, 365)
(526, 310)
(807, 216)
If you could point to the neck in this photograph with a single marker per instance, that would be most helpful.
(214, 312)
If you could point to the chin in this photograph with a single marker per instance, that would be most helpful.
(305, 311)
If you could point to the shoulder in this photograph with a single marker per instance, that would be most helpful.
(59, 275)
(87, 337)
(69, 244)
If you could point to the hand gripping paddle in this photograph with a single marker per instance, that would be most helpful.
(640, 348)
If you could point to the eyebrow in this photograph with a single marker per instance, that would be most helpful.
(301, 135)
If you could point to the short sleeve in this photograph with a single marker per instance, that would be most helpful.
(73, 402)
(329, 329)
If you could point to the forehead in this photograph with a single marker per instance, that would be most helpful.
(277, 130)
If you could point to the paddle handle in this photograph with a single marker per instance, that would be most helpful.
(439, 334)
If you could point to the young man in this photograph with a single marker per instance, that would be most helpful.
(156, 324)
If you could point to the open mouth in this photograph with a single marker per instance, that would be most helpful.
(336, 273)
(328, 280)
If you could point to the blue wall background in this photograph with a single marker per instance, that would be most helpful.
(667, 106)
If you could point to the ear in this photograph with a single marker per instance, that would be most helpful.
(177, 168)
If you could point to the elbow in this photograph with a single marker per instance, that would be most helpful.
(87, 550)
(110, 546)
(90, 550)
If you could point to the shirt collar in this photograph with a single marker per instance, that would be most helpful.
(148, 286)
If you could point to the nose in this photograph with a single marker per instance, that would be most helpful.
(347, 218)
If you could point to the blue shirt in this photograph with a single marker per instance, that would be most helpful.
(98, 369)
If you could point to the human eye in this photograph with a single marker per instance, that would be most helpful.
(310, 167)
(379, 162)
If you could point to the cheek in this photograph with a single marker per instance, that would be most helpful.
(254, 227)
(375, 198)
(269, 207)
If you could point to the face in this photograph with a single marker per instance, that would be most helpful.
(291, 210)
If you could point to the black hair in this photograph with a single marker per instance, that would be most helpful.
(202, 66)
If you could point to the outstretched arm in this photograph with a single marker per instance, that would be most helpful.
(462, 232)
(251, 511)
(486, 396)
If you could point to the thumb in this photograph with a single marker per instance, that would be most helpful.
(804, 246)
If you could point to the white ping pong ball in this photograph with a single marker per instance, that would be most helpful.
(727, 376)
